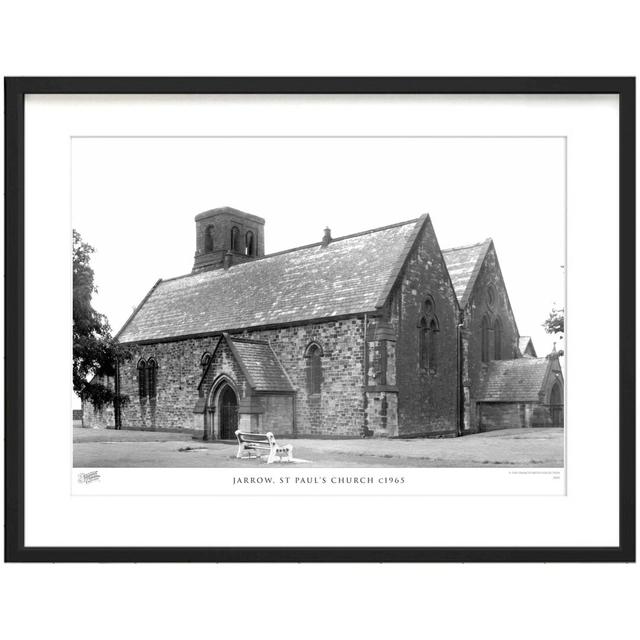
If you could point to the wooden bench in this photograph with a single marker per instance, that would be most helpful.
(262, 442)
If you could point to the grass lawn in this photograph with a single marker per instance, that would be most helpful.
(510, 447)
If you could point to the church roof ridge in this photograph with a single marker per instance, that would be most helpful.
(344, 278)
(467, 246)
(340, 238)
(305, 246)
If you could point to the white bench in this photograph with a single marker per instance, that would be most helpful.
(248, 442)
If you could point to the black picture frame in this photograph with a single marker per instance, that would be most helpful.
(15, 91)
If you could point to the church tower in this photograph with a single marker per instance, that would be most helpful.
(227, 236)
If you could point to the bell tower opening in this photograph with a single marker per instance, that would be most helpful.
(229, 232)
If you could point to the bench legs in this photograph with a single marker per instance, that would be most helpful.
(242, 449)
(280, 452)
(289, 449)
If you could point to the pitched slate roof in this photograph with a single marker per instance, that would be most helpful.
(464, 265)
(523, 343)
(519, 380)
(259, 364)
(351, 275)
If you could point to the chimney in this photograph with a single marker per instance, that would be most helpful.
(327, 237)
(228, 260)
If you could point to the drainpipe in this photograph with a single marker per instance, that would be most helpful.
(116, 402)
(294, 424)
(458, 378)
(365, 367)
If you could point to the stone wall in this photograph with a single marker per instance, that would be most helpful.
(427, 399)
(93, 418)
(541, 416)
(278, 415)
(502, 415)
(398, 397)
(336, 411)
(99, 418)
(513, 415)
(479, 306)
(178, 375)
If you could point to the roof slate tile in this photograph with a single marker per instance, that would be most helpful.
(519, 380)
(347, 276)
(464, 265)
(258, 360)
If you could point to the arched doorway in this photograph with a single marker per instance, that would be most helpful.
(228, 412)
(557, 406)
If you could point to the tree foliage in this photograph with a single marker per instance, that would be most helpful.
(94, 351)
(555, 322)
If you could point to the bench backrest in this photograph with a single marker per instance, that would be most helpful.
(256, 438)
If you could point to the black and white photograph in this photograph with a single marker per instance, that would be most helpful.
(338, 296)
(318, 301)
(320, 320)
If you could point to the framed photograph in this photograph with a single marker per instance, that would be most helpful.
(320, 319)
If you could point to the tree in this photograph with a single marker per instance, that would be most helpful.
(555, 322)
(95, 353)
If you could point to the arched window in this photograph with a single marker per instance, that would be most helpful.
(142, 379)
(249, 248)
(424, 340)
(235, 239)
(204, 361)
(491, 296)
(556, 408)
(485, 339)
(428, 331)
(151, 369)
(208, 239)
(556, 394)
(314, 369)
(429, 306)
(432, 350)
(497, 340)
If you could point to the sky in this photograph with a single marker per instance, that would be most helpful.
(134, 200)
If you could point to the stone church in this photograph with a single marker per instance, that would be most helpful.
(379, 333)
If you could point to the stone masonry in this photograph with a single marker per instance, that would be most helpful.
(375, 334)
